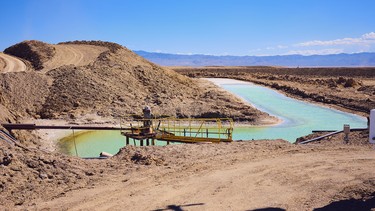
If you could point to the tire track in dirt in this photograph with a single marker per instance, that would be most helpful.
(11, 64)
(70, 54)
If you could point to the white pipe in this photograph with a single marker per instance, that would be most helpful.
(372, 127)
(105, 155)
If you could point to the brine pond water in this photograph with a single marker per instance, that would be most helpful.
(298, 119)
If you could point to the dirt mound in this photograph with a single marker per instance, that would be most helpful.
(23, 93)
(119, 83)
(27, 175)
(33, 51)
(106, 79)
(139, 155)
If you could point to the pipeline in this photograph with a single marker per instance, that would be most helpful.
(68, 127)
(329, 134)
(7, 137)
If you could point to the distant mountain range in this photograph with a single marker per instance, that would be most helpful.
(333, 60)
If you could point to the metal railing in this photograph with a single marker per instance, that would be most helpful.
(210, 128)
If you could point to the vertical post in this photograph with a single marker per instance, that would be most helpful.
(141, 142)
(147, 142)
(346, 132)
(127, 140)
(153, 142)
(372, 127)
(167, 142)
(75, 146)
(134, 142)
(207, 132)
(184, 132)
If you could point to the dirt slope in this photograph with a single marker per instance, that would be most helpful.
(92, 77)
(78, 55)
(11, 64)
(33, 51)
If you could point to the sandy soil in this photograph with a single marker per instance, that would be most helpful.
(236, 176)
(11, 64)
(78, 55)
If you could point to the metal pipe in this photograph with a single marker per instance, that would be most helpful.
(66, 127)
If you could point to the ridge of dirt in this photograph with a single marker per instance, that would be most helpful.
(113, 47)
(34, 51)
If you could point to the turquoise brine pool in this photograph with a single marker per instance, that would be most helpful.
(299, 119)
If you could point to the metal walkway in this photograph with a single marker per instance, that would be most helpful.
(212, 130)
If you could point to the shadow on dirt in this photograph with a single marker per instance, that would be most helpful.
(174, 207)
(350, 204)
(268, 209)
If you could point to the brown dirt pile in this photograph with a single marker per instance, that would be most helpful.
(118, 83)
(345, 88)
(29, 174)
(23, 93)
(34, 51)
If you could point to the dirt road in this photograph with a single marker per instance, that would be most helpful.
(78, 55)
(239, 176)
(11, 64)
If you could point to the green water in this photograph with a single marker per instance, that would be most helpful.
(299, 119)
(92, 143)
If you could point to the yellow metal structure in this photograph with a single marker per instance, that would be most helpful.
(212, 130)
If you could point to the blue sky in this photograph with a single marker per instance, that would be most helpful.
(215, 27)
